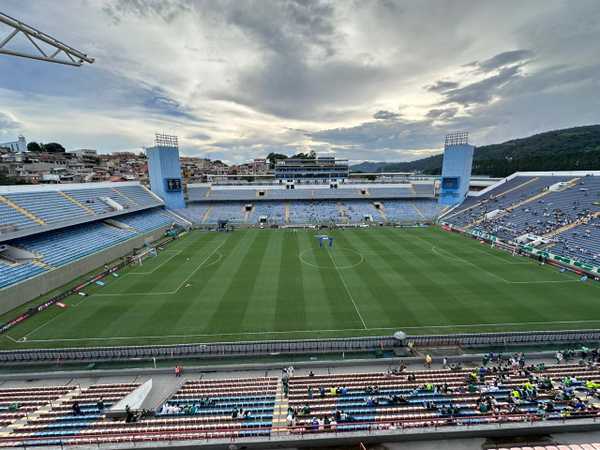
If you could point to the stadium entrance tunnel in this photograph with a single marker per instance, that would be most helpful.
(335, 258)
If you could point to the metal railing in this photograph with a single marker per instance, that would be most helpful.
(290, 347)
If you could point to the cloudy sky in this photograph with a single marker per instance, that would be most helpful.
(365, 79)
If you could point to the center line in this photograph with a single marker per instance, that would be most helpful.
(347, 289)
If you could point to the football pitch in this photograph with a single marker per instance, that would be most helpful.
(280, 284)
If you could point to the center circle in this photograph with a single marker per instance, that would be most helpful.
(308, 257)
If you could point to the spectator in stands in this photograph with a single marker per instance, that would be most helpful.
(76, 408)
(100, 404)
(428, 361)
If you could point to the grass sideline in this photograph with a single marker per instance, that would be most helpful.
(278, 284)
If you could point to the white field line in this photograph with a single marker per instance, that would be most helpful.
(347, 289)
(504, 260)
(441, 252)
(60, 315)
(262, 333)
(149, 272)
(167, 292)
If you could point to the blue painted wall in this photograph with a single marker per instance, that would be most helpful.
(163, 164)
(458, 162)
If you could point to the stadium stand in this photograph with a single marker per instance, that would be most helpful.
(207, 192)
(57, 248)
(66, 423)
(311, 212)
(447, 397)
(203, 408)
(62, 223)
(32, 209)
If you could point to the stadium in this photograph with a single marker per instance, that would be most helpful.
(310, 306)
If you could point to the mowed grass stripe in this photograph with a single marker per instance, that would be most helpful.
(400, 283)
(262, 301)
(327, 304)
(382, 306)
(290, 306)
(468, 296)
(129, 316)
(165, 316)
(210, 285)
(511, 305)
(232, 306)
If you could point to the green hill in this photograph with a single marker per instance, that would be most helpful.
(568, 149)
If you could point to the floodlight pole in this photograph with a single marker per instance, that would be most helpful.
(75, 57)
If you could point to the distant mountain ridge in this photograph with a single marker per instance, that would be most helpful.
(575, 148)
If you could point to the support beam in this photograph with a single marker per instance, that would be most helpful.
(63, 54)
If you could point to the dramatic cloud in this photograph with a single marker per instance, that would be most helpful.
(503, 59)
(442, 86)
(8, 122)
(385, 115)
(236, 79)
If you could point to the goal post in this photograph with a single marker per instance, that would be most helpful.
(147, 253)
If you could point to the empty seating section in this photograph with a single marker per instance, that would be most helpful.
(62, 424)
(356, 210)
(194, 212)
(60, 247)
(15, 273)
(200, 409)
(92, 199)
(146, 221)
(57, 248)
(311, 212)
(274, 211)
(34, 210)
(232, 212)
(367, 401)
(17, 403)
(12, 218)
(309, 192)
(51, 207)
(139, 195)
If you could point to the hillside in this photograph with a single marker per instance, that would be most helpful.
(567, 149)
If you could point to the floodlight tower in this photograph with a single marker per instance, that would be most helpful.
(62, 53)
(164, 170)
(456, 168)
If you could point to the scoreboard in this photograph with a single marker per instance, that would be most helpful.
(173, 184)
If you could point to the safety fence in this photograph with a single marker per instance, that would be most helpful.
(306, 346)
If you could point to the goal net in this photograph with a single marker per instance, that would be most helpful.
(147, 253)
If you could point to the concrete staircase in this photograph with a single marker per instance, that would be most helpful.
(280, 411)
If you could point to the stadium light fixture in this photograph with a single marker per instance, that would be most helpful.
(62, 53)
(457, 138)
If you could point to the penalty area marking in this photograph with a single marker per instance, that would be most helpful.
(215, 251)
(149, 272)
(262, 333)
(441, 252)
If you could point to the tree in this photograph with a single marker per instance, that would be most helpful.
(54, 147)
(272, 158)
(34, 147)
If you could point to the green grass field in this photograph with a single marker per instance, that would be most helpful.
(276, 284)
